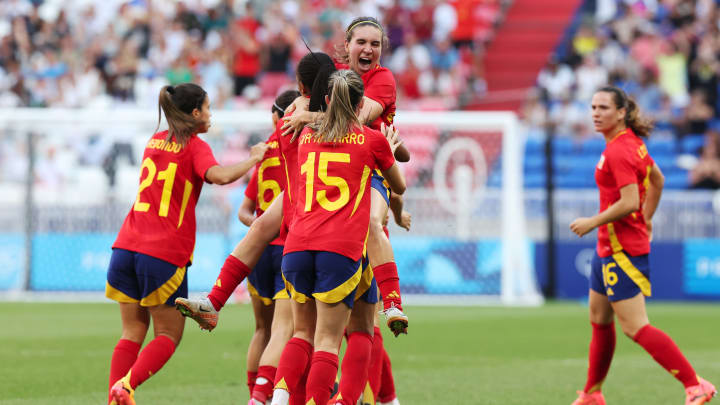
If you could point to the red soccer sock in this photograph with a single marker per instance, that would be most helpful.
(233, 272)
(321, 377)
(298, 396)
(388, 282)
(123, 358)
(152, 358)
(251, 376)
(662, 348)
(294, 360)
(263, 383)
(602, 347)
(355, 363)
(387, 382)
(375, 364)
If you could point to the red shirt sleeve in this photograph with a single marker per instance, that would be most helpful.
(251, 190)
(380, 149)
(620, 162)
(202, 157)
(380, 87)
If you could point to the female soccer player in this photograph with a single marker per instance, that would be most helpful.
(322, 260)
(273, 318)
(154, 247)
(361, 52)
(630, 184)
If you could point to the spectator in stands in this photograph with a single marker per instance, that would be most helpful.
(706, 174)
(556, 80)
(698, 113)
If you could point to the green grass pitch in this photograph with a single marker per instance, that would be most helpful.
(59, 354)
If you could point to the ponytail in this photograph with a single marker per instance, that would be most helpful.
(345, 91)
(638, 123)
(178, 103)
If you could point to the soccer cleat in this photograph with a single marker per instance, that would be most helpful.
(201, 310)
(596, 398)
(700, 394)
(393, 402)
(121, 393)
(397, 321)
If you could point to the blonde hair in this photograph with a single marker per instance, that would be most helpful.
(340, 52)
(345, 91)
(178, 103)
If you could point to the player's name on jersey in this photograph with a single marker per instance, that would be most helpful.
(351, 137)
(162, 145)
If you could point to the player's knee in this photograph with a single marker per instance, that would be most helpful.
(263, 229)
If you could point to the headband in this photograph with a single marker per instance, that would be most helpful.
(282, 110)
(365, 22)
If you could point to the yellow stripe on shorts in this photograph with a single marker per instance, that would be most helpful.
(254, 292)
(297, 296)
(117, 295)
(162, 293)
(635, 275)
(365, 282)
(338, 293)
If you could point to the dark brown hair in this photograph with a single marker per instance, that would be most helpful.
(640, 125)
(341, 54)
(178, 103)
(283, 101)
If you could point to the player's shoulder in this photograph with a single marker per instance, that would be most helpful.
(381, 74)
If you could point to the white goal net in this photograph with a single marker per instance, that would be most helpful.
(68, 177)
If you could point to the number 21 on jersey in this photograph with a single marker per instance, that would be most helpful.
(167, 177)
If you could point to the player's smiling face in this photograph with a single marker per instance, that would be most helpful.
(607, 118)
(364, 48)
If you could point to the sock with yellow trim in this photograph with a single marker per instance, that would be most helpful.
(664, 350)
(233, 272)
(151, 359)
(602, 348)
(123, 357)
(354, 371)
(321, 378)
(294, 361)
(388, 282)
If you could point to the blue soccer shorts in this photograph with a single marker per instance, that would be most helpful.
(138, 278)
(620, 276)
(265, 281)
(325, 276)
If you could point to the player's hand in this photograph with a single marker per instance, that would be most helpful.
(295, 124)
(404, 220)
(582, 226)
(391, 134)
(258, 151)
(649, 226)
(300, 103)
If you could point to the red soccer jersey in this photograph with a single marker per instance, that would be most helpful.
(289, 165)
(332, 208)
(161, 223)
(624, 161)
(379, 86)
(268, 180)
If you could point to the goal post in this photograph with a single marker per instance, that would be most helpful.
(468, 243)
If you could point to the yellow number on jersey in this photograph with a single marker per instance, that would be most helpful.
(264, 185)
(167, 176)
(308, 168)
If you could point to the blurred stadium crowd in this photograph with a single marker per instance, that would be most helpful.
(665, 53)
(57, 53)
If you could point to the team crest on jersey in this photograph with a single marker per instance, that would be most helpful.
(601, 162)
